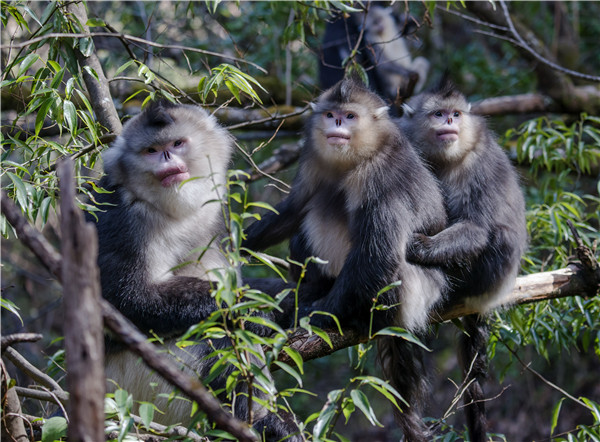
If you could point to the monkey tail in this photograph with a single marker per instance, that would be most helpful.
(472, 357)
(402, 364)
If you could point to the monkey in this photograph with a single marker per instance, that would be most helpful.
(360, 194)
(164, 182)
(486, 236)
(392, 57)
(383, 52)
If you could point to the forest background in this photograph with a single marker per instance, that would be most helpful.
(255, 64)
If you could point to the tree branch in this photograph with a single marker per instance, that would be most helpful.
(570, 281)
(83, 331)
(100, 95)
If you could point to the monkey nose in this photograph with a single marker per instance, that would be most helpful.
(167, 155)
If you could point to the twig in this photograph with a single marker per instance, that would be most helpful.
(130, 38)
(15, 338)
(34, 373)
(57, 397)
(542, 378)
(537, 56)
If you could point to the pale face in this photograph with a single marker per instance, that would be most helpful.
(167, 162)
(446, 124)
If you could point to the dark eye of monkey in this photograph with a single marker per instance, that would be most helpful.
(151, 150)
(329, 115)
(456, 114)
(177, 143)
(350, 116)
(438, 113)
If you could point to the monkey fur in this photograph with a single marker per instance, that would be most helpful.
(159, 238)
(360, 194)
(486, 236)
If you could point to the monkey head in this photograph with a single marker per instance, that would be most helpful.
(440, 124)
(169, 153)
(347, 124)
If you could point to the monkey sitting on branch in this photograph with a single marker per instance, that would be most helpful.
(360, 196)
(486, 236)
(165, 182)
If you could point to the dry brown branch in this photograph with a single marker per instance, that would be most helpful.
(13, 427)
(30, 370)
(570, 281)
(100, 96)
(83, 330)
(552, 79)
(15, 338)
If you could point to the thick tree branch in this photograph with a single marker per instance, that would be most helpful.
(83, 331)
(570, 281)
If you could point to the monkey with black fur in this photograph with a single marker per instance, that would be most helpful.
(165, 177)
(360, 194)
(482, 246)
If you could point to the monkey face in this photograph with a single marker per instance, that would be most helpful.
(445, 124)
(170, 156)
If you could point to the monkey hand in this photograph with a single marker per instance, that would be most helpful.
(418, 249)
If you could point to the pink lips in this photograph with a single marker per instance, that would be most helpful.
(447, 135)
(173, 175)
(338, 138)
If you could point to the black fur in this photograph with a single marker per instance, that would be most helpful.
(486, 235)
(378, 199)
(127, 223)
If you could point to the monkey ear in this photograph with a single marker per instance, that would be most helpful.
(313, 106)
(408, 111)
(381, 111)
(469, 107)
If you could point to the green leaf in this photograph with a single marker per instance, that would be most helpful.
(11, 307)
(289, 370)
(399, 332)
(70, 114)
(362, 402)
(20, 190)
(54, 429)
(555, 414)
(94, 21)
(296, 357)
(27, 63)
(146, 413)
(327, 414)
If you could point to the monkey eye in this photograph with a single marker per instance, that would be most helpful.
(178, 143)
(329, 115)
(456, 114)
(350, 116)
(151, 150)
(438, 113)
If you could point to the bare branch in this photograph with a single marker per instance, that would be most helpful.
(570, 281)
(536, 55)
(94, 78)
(130, 38)
(34, 373)
(16, 338)
(13, 426)
(83, 331)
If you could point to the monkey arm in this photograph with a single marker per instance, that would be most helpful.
(273, 227)
(459, 243)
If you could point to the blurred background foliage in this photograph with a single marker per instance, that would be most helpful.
(46, 114)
